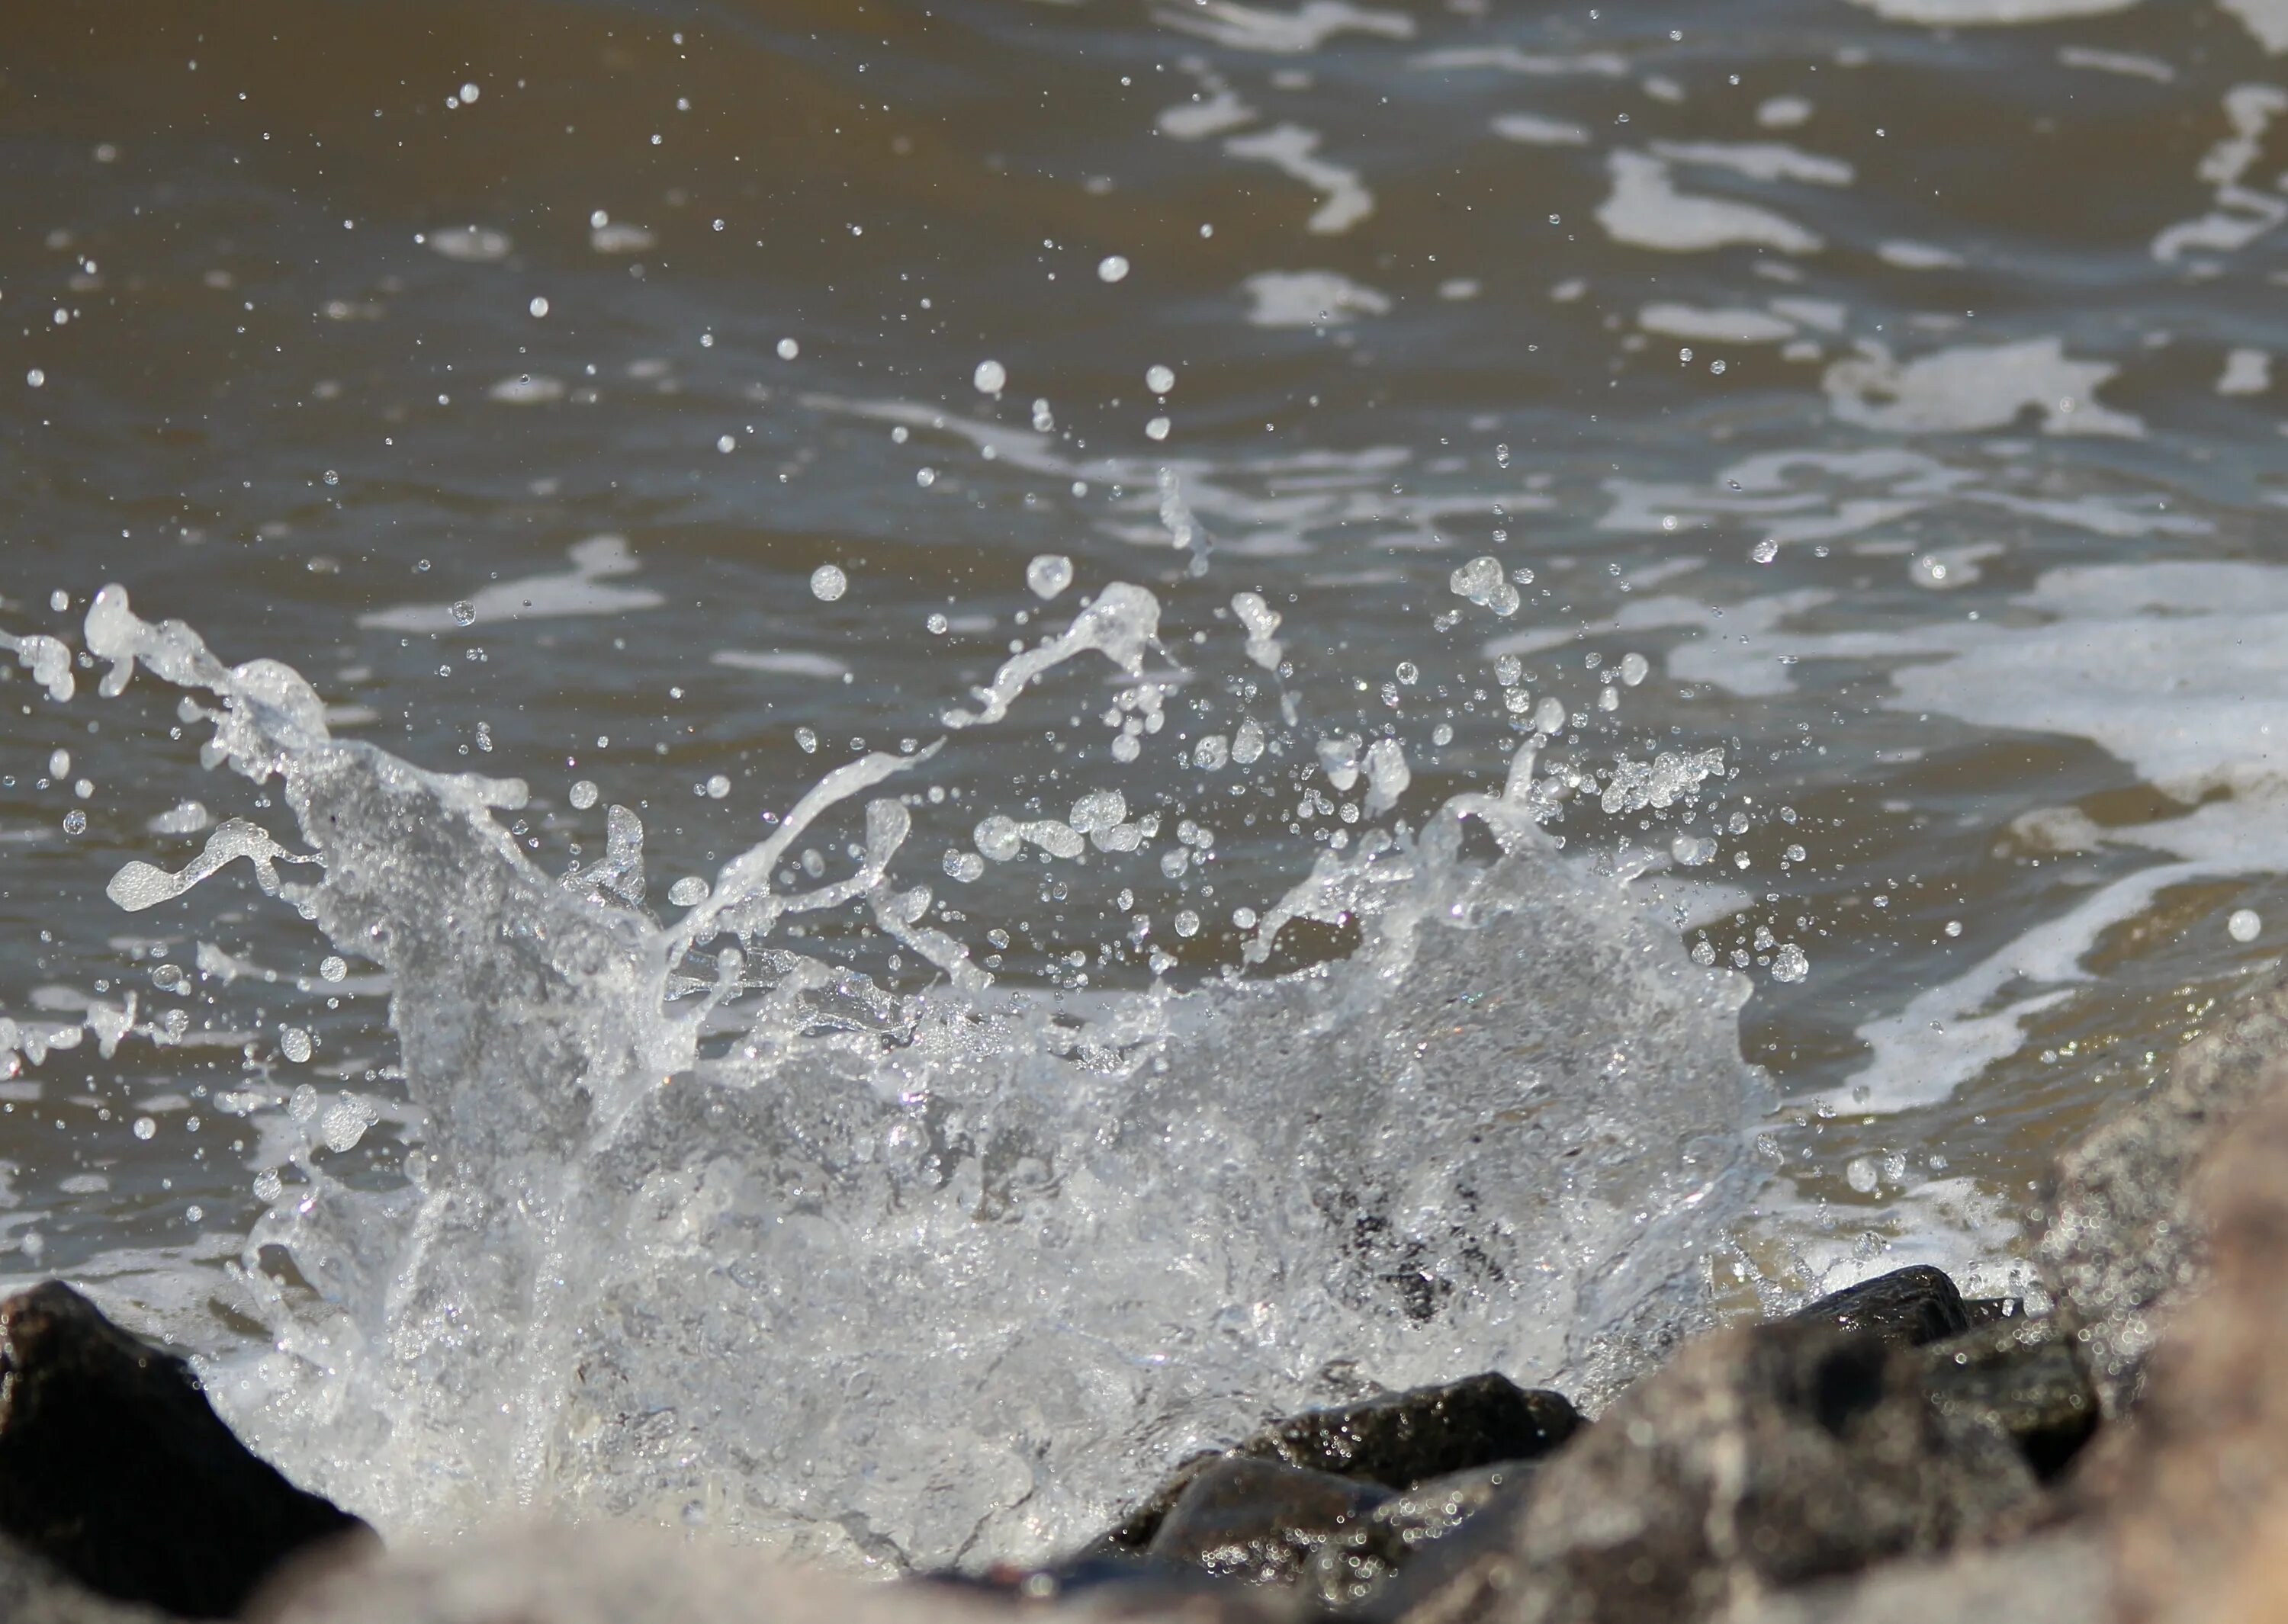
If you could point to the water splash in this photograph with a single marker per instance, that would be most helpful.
(943, 1277)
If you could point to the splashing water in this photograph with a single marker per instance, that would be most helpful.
(944, 1277)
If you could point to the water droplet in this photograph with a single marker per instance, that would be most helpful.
(937, 624)
(59, 764)
(991, 378)
(268, 1185)
(1409, 672)
(74, 821)
(726, 443)
(1635, 668)
(334, 966)
(294, 1043)
(468, 94)
(789, 349)
(145, 1127)
(828, 582)
(688, 891)
(1790, 964)
(1157, 429)
(2245, 925)
(465, 612)
(1765, 550)
(808, 739)
(1159, 380)
(539, 306)
(925, 476)
(1860, 1173)
(1187, 923)
(36, 378)
(1112, 267)
(1049, 575)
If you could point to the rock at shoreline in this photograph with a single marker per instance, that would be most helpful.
(2025, 1378)
(1904, 1309)
(2123, 1244)
(1397, 1440)
(1258, 1520)
(114, 1468)
(1759, 1458)
(1348, 1569)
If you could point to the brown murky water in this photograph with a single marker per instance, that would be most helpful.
(1899, 387)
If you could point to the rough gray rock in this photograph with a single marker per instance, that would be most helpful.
(33, 1592)
(2123, 1244)
(2060, 1578)
(1396, 1440)
(114, 1468)
(1760, 1458)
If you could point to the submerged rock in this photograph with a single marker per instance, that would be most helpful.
(114, 1468)
(1397, 1440)
(1905, 1308)
(1760, 1458)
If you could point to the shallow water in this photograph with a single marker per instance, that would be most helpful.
(1892, 382)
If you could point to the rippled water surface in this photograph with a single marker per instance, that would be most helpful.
(664, 408)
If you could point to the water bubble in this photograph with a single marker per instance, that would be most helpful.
(1049, 575)
(1157, 429)
(1481, 581)
(333, 968)
(789, 349)
(1112, 267)
(167, 978)
(345, 1124)
(1409, 672)
(1716, 365)
(1159, 380)
(2245, 925)
(333, 476)
(294, 1043)
(828, 582)
(465, 612)
(1790, 964)
(1765, 550)
(717, 787)
(145, 1127)
(991, 378)
(74, 821)
(689, 891)
(584, 795)
(808, 739)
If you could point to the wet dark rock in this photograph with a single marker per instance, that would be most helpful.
(1258, 1520)
(2124, 1242)
(114, 1468)
(1395, 1440)
(1906, 1308)
(1348, 1569)
(1760, 1458)
(1986, 1311)
(2025, 1377)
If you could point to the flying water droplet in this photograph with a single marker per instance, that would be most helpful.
(584, 795)
(1112, 267)
(991, 378)
(828, 582)
(465, 612)
(2245, 925)
(1049, 575)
